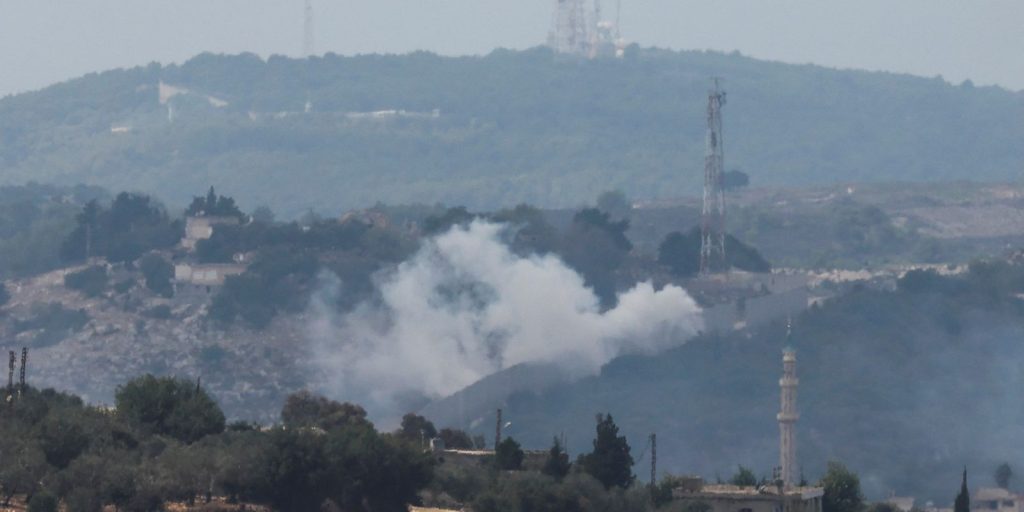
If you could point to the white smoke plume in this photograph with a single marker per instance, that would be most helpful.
(465, 307)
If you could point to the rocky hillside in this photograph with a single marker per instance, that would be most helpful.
(88, 345)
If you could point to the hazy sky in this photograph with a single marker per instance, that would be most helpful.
(45, 41)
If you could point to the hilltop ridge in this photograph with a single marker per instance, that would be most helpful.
(339, 132)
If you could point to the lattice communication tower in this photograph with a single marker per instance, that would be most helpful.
(712, 225)
(571, 34)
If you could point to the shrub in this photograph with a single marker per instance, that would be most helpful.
(54, 322)
(161, 312)
(91, 281)
(43, 502)
(508, 455)
(124, 286)
(158, 273)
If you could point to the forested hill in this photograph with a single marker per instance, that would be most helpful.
(512, 127)
(906, 387)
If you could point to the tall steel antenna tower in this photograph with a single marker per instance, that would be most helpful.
(24, 361)
(788, 416)
(570, 34)
(712, 226)
(308, 40)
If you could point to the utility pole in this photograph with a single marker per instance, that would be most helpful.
(24, 360)
(654, 461)
(497, 432)
(712, 220)
(10, 378)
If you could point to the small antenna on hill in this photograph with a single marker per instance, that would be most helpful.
(308, 40)
(618, 20)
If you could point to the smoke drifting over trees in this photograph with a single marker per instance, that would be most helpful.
(465, 307)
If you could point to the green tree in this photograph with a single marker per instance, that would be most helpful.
(213, 206)
(263, 215)
(437, 224)
(416, 429)
(303, 469)
(610, 462)
(681, 253)
(735, 179)
(557, 464)
(305, 410)
(883, 507)
(43, 502)
(91, 281)
(23, 468)
(508, 455)
(963, 498)
(1003, 475)
(744, 477)
(456, 439)
(132, 225)
(168, 406)
(842, 490)
(614, 203)
(62, 437)
(596, 247)
(158, 274)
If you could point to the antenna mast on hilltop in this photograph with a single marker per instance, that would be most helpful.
(308, 41)
(712, 220)
(570, 34)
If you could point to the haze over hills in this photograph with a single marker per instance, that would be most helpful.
(498, 130)
(904, 386)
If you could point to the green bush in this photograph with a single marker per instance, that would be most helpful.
(160, 312)
(508, 456)
(53, 320)
(43, 502)
(91, 281)
(158, 274)
(124, 286)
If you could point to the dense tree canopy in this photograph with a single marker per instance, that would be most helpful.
(132, 225)
(610, 461)
(842, 490)
(214, 206)
(513, 126)
(306, 410)
(174, 407)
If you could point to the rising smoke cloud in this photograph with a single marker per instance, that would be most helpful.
(465, 307)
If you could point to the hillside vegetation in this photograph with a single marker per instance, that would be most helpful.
(904, 386)
(511, 127)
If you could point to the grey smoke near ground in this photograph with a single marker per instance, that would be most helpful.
(465, 307)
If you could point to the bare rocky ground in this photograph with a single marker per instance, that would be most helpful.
(249, 372)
